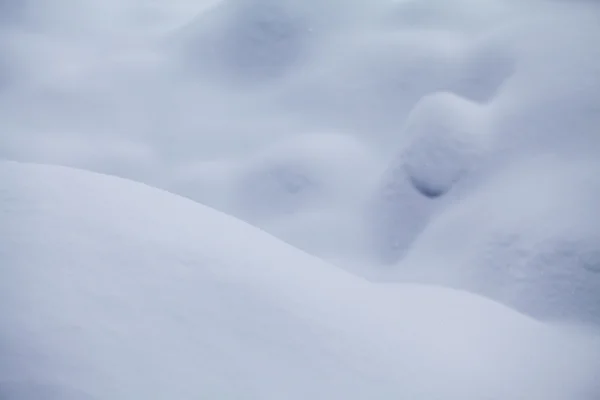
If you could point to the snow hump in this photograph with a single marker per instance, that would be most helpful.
(115, 290)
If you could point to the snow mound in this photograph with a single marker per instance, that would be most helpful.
(261, 40)
(207, 182)
(370, 80)
(528, 238)
(306, 172)
(115, 290)
(397, 214)
(446, 137)
(483, 67)
(335, 234)
(248, 39)
(552, 101)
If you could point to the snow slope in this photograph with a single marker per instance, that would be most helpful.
(444, 141)
(225, 101)
(115, 290)
(528, 238)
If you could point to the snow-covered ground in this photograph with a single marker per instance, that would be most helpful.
(385, 199)
(116, 290)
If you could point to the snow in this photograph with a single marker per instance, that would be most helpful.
(370, 81)
(516, 246)
(551, 103)
(247, 39)
(312, 171)
(446, 135)
(445, 138)
(483, 67)
(458, 15)
(440, 143)
(104, 297)
(11, 11)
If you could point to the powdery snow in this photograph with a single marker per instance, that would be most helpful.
(115, 290)
(303, 173)
(528, 238)
(446, 137)
(451, 143)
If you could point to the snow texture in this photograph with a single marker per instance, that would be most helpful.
(309, 172)
(446, 143)
(247, 39)
(529, 239)
(106, 298)
(446, 136)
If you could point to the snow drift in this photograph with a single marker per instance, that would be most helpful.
(115, 290)
(528, 238)
(192, 97)
(443, 114)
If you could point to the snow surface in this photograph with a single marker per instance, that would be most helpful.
(106, 298)
(446, 136)
(441, 142)
(541, 257)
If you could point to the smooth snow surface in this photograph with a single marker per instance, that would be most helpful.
(452, 143)
(538, 256)
(446, 136)
(106, 298)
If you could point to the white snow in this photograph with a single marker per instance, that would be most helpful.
(446, 137)
(529, 238)
(115, 290)
(369, 81)
(441, 142)
(308, 172)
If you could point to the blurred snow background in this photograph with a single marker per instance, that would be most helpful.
(453, 143)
